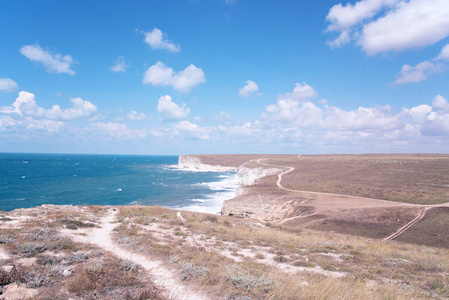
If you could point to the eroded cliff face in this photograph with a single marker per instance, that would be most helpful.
(245, 203)
(195, 164)
(249, 176)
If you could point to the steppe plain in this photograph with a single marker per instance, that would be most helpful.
(317, 227)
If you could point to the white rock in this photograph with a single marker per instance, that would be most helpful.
(179, 216)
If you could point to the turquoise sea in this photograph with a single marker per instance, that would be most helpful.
(28, 180)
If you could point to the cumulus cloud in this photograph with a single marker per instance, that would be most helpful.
(193, 131)
(301, 92)
(25, 105)
(170, 111)
(302, 123)
(158, 40)
(249, 89)
(162, 75)
(8, 85)
(135, 116)
(120, 65)
(444, 55)
(389, 25)
(52, 62)
(418, 73)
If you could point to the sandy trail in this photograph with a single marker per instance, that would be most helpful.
(160, 274)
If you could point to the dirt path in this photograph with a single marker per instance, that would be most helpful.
(291, 169)
(419, 217)
(160, 275)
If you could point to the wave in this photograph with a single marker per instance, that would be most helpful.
(212, 203)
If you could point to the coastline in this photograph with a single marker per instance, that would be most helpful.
(246, 174)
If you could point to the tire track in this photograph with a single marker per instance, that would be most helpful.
(401, 230)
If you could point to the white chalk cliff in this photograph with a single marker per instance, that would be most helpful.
(247, 176)
(194, 164)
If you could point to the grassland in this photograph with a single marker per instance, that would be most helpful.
(219, 256)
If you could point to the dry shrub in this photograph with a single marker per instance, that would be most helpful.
(102, 275)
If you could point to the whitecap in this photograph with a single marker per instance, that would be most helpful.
(119, 190)
(224, 189)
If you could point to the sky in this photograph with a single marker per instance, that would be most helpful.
(224, 76)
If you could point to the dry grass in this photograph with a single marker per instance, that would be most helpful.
(43, 259)
(227, 258)
(411, 178)
(374, 269)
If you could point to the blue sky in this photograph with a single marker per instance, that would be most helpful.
(222, 76)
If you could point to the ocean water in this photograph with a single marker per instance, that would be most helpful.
(28, 180)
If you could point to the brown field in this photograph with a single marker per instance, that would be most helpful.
(410, 178)
(364, 195)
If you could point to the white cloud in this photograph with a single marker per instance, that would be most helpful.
(170, 111)
(440, 105)
(25, 105)
(116, 130)
(158, 40)
(193, 131)
(414, 24)
(120, 65)
(10, 124)
(301, 92)
(135, 116)
(223, 117)
(52, 62)
(342, 39)
(419, 72)
(8, 85)
(162, 75)
(390, 25)
(444, 55)
(343, 17)
(249, 89)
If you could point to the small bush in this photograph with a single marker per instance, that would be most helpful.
(192, 271)
(303, 263)
(9, 277)
(260, 256)
(45, 234)
(248, 282)
(31, 249)
(36, 279)
(6, 238)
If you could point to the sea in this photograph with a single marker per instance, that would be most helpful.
(29, 180)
